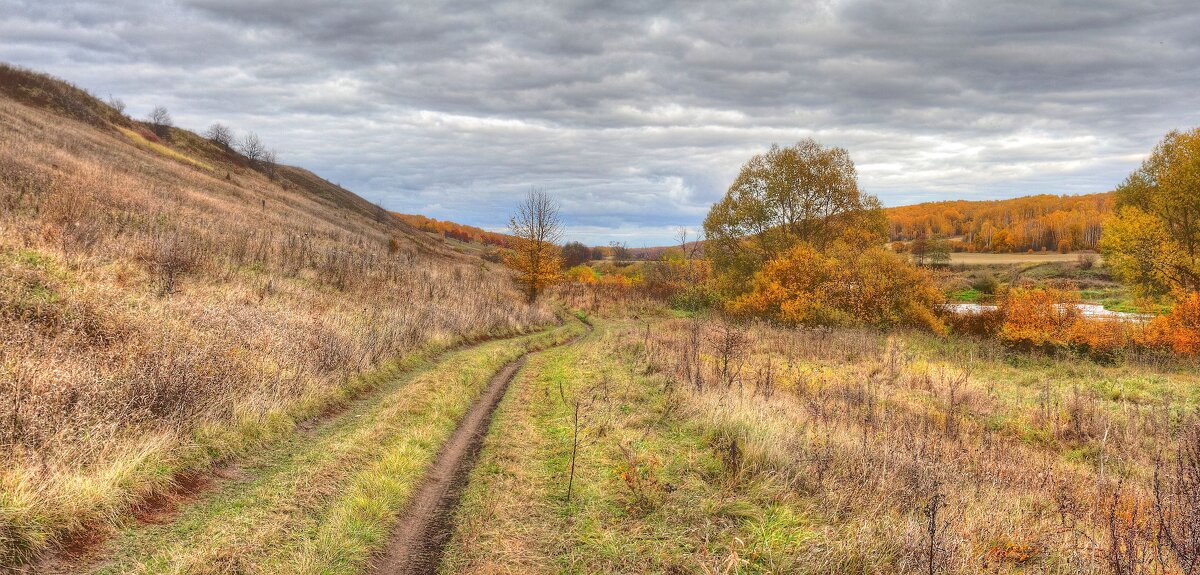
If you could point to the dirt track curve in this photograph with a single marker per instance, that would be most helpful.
(420, 535)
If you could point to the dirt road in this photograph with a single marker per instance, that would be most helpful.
(423, 530)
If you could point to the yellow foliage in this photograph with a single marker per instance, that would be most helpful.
(537, 263)
(583, 274)
(843, 287)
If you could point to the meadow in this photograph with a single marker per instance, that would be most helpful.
(706, 447)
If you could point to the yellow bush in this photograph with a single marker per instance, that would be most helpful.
(583, 274)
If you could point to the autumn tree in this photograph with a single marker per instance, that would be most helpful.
(160, 121)
(920, 249)
(575, 253)
(1154, 239)
(536, 229)
(220, 134)
(619, 251)
(804, 193)
(1041, 222)
(938, 252)
(253, 148)
(117, 104)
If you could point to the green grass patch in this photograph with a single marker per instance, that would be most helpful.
(966, 295)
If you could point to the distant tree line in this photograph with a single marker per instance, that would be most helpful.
(1040, 223)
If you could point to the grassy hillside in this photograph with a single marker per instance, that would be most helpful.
(164, 306)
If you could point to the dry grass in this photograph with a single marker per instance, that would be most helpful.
(321, 501)
(824, 452)
(157, 317)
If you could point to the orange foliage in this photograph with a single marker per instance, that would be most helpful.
(460, 232)
(586, 275)
(1039, 317)
(1043, 222)
(1180, 329)
(1009, 552)
(807, 287)
(1047, 318)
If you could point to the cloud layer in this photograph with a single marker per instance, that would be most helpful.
(637, 115)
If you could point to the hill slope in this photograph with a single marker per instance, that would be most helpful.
(164, 305)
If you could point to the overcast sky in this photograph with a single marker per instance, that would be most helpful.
(637, 115)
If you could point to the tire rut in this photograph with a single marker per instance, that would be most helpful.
(420, 536)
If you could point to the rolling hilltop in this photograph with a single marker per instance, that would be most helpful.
(167, 302)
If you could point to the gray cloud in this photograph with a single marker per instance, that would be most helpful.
(638, 114)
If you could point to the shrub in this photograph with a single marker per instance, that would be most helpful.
(1103, 339)
(1039, 318)
(168, 259)
(492, 254)
(987, 284)
(985, 322)
(1179, 330)
(1087, 261)
(582, 274)
(844, 287)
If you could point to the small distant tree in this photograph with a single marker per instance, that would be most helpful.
(599, 252)
(116, 104)
(253, 148)
(161, 122)
(536, 229)
(575, 253)
(220, 134)
(919, 250)
(938, 252)
(619, 251)
(270, 165)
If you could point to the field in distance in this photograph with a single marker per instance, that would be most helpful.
(984, 259)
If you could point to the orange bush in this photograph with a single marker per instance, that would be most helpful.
(1101, 337)
(1179, 330)
(1039, 317)
(1047, 318)
(617, 281)
(875, 286)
